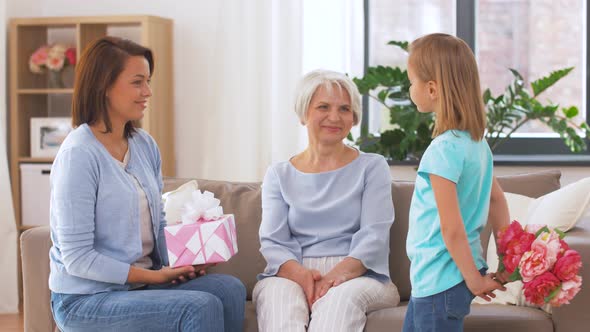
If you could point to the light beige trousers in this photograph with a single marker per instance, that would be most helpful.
(281, 304)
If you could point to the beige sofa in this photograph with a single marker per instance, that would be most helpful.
(243, 199)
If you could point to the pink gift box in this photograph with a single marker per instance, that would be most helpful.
(202, 242)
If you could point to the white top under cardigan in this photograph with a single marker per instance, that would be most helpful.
(145, 220)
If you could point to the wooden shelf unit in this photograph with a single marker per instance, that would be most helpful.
(31, 96)
(44, 91)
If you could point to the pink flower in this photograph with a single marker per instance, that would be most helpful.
(553, 244)
(563, 249)
(53, 57)
(567, 267)
(569, 289)
(535, 262)
(39, 56)
(515, 249)
(507, 235)
(540, 288)
(71, 55)
(55, 64)
(35, 68)
(57, 51)
(510, 262)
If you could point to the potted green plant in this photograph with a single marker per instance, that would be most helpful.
(411, 130)
(507, 112)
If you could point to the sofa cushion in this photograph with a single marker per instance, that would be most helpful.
(35, 244)
(250, 321)
(562, 208)
(399, 264)
(531, 184)
(482, 318)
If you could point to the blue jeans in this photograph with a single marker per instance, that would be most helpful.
(213, 302)
(442, 312)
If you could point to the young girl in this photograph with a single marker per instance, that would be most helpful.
(455, 189)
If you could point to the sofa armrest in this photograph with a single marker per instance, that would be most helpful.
(574, 316)
(35, 244)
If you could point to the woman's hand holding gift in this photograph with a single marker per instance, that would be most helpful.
(175, 275)
(199, 270)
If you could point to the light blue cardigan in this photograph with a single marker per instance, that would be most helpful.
(94, 213)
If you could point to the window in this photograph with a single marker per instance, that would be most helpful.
(534, 37)
(401, 20)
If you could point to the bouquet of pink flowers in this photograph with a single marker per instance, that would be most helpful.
(539, 257)
(53, 57)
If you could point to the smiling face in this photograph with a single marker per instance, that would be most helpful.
(128, 96)
(329, 115)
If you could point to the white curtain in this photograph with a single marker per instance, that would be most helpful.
(260, 54)
(8, 234)
(254, 63)
(333, 38)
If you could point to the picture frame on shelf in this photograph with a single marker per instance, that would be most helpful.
(47, 134)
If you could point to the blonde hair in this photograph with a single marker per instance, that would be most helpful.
(449, 62)
(312, 81)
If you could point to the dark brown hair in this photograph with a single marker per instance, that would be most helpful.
(100, 64)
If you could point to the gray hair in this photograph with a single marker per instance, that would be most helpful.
(312, 80)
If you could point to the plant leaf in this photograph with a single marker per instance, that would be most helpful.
(553, 294)
(501, 267)
(401, 44)
(560, 233)
(570, 112)
(516, 74)
(539, 232)
(515, 275)
(544, 83)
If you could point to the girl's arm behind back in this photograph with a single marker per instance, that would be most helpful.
(455, 238)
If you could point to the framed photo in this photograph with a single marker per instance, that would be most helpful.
(47, 134)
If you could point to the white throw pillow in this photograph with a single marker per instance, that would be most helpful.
(173, 201)
(561, 209)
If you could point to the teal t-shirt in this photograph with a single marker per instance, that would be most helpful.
(452, 155)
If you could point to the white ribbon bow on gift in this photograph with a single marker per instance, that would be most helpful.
(202, 207)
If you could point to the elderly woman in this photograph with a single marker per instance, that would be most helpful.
(326, 215)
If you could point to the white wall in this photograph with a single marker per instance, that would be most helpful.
(8, 257)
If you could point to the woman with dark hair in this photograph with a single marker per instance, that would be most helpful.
(109, 259)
